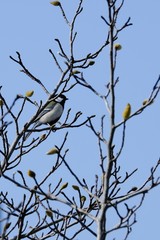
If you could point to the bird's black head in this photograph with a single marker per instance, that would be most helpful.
(61, 98)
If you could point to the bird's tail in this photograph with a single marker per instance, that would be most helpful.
(29, 133)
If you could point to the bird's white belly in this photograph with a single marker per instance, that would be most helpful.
(52, 115)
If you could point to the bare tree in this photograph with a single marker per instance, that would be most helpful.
(47, 210)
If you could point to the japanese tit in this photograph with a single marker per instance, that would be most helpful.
(52, 112)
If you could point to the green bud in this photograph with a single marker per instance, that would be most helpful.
(31, 174)
(29, 93)
(52, 151)
(117, 46)
(64, 186)
(55, 3)
(1, 102)
(49, 213)
(75, 72)
(83, 198)
(43, 136)
(145, 102)
(91, 63)
(7, 225)
(75, 187)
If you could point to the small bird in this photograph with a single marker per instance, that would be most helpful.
(52, 112)
(127, 112)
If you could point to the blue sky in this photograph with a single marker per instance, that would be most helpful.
(30, 27)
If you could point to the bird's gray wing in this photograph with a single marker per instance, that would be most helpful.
(48, 108)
